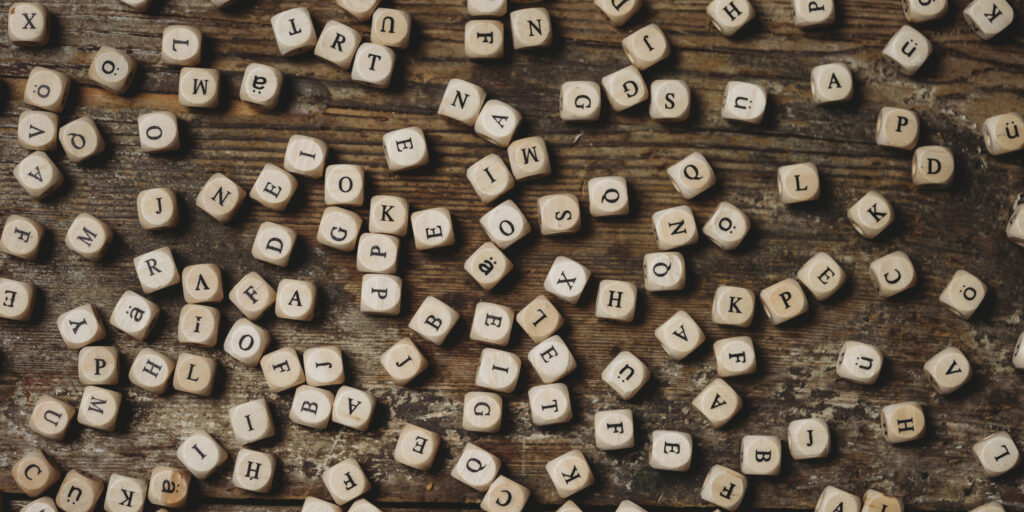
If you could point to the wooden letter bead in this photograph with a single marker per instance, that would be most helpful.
(432, 228)
(158, 132)
(784, 301)
(156, 270)
(417, 447)
(833, 82)
(744, 102)
(99, 408)
(531, 28)
(619, 11)
(282, 369)
(799, 183)
(613, 430)
(51, 417)
(323, 366)
(691, 176)
(377, 253)
(727, 227)
(462, 101)
(359, 9)
(353, 408)
(822, 276)
(859, 362)
(808, 438)
(125, 494)
(434, 320)
(569, 473)
(80, 327)
(98, 366)
(294, 31)
(246, 342)
(201, 454)
(28, 24)
(897, 128)
(729, 16)
(261, 85)
(254, 471)
(21, 237)
(552, 359)
(403, 361)
(134, 315)
(505, 224)
(38, 175)
(476, 467)
(922, 11)
(373, 65)
(670, 101)
(498, 370)
(497, 122)
(675, 227)
(202, 283)
(381, 294)
(626, 374)
(963, 294)
(724, 487)
(671, 450)
(616, 300)
(296, 300)
(813, 13)
(679, 335)
(346, 481)
(112, 70)
(344, 185)
(875, 501)
(195, 374)
(337, 44)
(505, 495)
(528, 158)
(274, 187)
(1001, 132)
(492, 323)
(305, 156)
(37, 130)
(735, 356)
(733, 306)
(762, 455)
(79, 492)
(47, 89)
(908, 49)
(893, 273)
(987, 18)
(311, 407)
(664, 271)
(388, 215)
(406, 149)
(199, 87)
(948, 370)
(391, 27)
(903, 422)
(485, 39)
(488, 265)
(81, 139)
(274, 244)
(539, 319)
(89, 237)
(220, 197)
(625, 88)
(251, 421)
(997, 453)
(832, 499)
(182, 45)
(580, 101)
(609, 196)
(718, 402)
(871, 215)
(34, 473)
(932, 166)
(550, 404)
(490, 178)
(151, 371)
(481, 412)
(567, 279)
(646, 47)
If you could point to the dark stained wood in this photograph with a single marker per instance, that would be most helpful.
(966, 81)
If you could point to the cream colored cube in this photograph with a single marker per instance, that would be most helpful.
(784, 301)
(616, 300)
(432, 228)
(744, 102)
(296, 300)
(199, 87)
(822, 276)
(305, 156)
(625, 88)
(481, 412)
(923, 11)
(859, 362)
(377, 253)
(908, 49)
(1015, 227)
(505, 224)
(21, 237)
(580, 101)
(359, 9)
(484, 39)
(38, 175)
(198, 325)
(569, 473)
(195, 374)
(220, 197)
(403, 361)
(619, 11)
(833, 82)
(17, 299)
(566, 279)
(963, 293)
(531, 28)
(361, 505)
(505, 495)
(492, 323)
(462, 101)
(897, 128)
(490, 178)
(152, 371)
(112, 69)
(903, 422)
(28, 24)
(47, 89)
(832, 498)
(613, 430)
(134, 315)
(406, 149)
(1001, 133)
(476, 467)
(201, 454)
(609, 196)
(664, 271)
(626, 374)
(646, 46)
(202, 283)
(434, 320)
(81, 139)
(992, 506)
(99, 408)
(488, 265)
(550, 404)
(323, 366)
(727, 227)
(724, 487)
(294, 31)
(89, 237)
(932, 166)
(670, 101)
(987, 18)
(51, 417)
(373, 65)
(808, 14)
(353, 408)
(125, 494)
(37, 130)
(528, 158)
(799, 183)
(344, 185)
(254, 471)
(487, 8)
(34, 473)
(337, 44)
(948, 370)
(692, 175)
(252, 421)
(346, 481)
(261, 85)
(559, 214)
(552, 359)
(729, 16)
(311, 407)
(808, 438)
(679, 335)
(893, 273)
(391, 27)
(181, 45)
(156, 270)
(733, 306)
(674, 227)
(498, 370)
(871, 215)
(157, 209)
(671, 450)
(417, 447)
(246, 342)
(282, 369)
(997, 453)
(79, 492)
(718, 402)
(274, 244)
(388, 215)
(80, 327)
(381, 294)
(761, 455)
(497, 122)
(274, 187)
(98, 366)
(735, 356)
(540, 319)
(875, 501)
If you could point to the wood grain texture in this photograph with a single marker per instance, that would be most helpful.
(964, 82)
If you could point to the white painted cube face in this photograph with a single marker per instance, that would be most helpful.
(745, 102)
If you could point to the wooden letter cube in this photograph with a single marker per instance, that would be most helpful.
(727, 227)
(17, 299)
(377, 253)
(112, 69)
(531, 28)
(38, 175)
(323, 366)
(505, 224)
(220, 197)
(344, 185)
(199, 87)
(373, 65)
(406, 149)
(305, 156)
(923, 11)
(125, 494)
(98, 366)
(609, 196)
(744, 102)
(822, 276)
(488, 265)
(552, 359)
(476, 467)
(550, 404)
(156, 270)
(182, 45)
(337, 44)
(353, 408)
(626, 374)
(359, 9)
(417, 447)
(311, 407)
(152, 371)
(619, 11)
(718, 402)
(51, 417)
(735, 356)
(261, 85)
(432, 228)
(932, 166)
(254, 471)
(670, 101)
(875, 501)
(903, 422)
(37, 130)
(274, 187)
(28, 24)
(294, 31)
(34, 473)
(948, 370)
(692, 175)
(490, 178)
(799, 183)
(202, 283)
(296, 300)
(528, 158)
(664, 271)
(964, 293)
(784, 301)
(616, 300)
(908, 49)
(832, 499)
(893, 273)
(391, 27)
(388, 215)
(481, 412)
(675, 227)
(201, 454)
(134, 315)
(613, 430)
(462, 101)
(274, 244)
(89, 237)
(566, 279)
(80, 327)
(646, 47)
(871, 215)
(485, 39)
(762, 455)
(99, 408)
(21, 237)
(47, 89)
(859, 362)
(833, 82)
(282, 369)
(487, 8)
(346, 481)
(403, 361)
(987, 18)
(168, 487)
(81, 139)
(1001, 132)
(505, 495)
(158, 132)
(539, 319)
(992, 506)
(580, 101)
(79, 492)
(808, 438)
(679, 335)
(729, 16)
(733, 306)
(897, 128)
(625, 88)
(492, 323)
(434, 320)
(569, 473)
(671, 450)
(497, 122)
(809, 14)
(381, 294)
(251, 421)
(724, 487)
(195, 374)
(997, 454)
(498, 370)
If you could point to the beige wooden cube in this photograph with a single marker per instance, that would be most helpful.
(932, 166)
(79, 492)
(692, 175)
(550, 404)
(505, 495)
(671, 450)
(903, 422)
(948, 370)
(252, 295)
(311, 407)
(462, 101)
(220, 197)
(434, 320)
(626, 374)
(552, 359)
(893, 273)
(156, 270)
(664, 271)
(674, 227)
(294, 31)
(80, 327)
(305, 156)
(1001, 133)
(646, 46)
(1018, 353)
(490, 178)
(377, 253)
(718, 402)
(808, 438)
(484, 39)
(531, 28)
(616, 300)
(201, 454)
(497, 122)
(373, 65)
(134, 315)
(261, 85)
(580, 101)
(487, 8)
(346, 481)
(195, 374)
(670, 101)
(875, 501)
(391, 27)
(997, 453)
(566, 279)
(98, 366)
(761, 455)
(963, 293)
(353, 408)
(481, 412)
(784, 301)
(388, 215)
(745, 102)
(137, 5)
(157, 208)
(274, 244)
(608, 195)
(361, 505)
(729, 16)
(168, 487)
(323, 366)
(799, 183)
(337, 44)
(923, 11)
(505, 224)
(808, 14)
(89, 237)
(202, 283)
(539, 319)
(897, 128)
(344, 185)
(727, 227)
(679, 335)
(871, 215)
(488, 265)
(282, 369)
(417, 447)
(724, 487)
(859, 362)
(246, 342)
(296, 300)
(28, 24)
(403, 361)
(733, 306)
(51, 417)
(381, 294)
(833, 82)
(498, 370)
(528, 158)
(569, 473)
(625, 88)
(125, 494)
(1015, 226)
(251, 421)
(432, 228)
(99, 408)
(254, 471)
(476, 467)
(619, 11)
(832, 498)
(112, 69)
(21, 237)
(37, 130)
(47, 89)
(152, 371)
(199, 87)
(181, 45)
(908, 49)
(81, 139)
(406, 149)
(38, 175)
(822, 276)
(735, 356)
(17, 299)
(987, 18)
(359, 9)
(492, 323)
(613, 430)
(274, 187)
(34, 473)
(992, 506)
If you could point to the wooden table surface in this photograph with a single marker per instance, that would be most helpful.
(964, 82)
